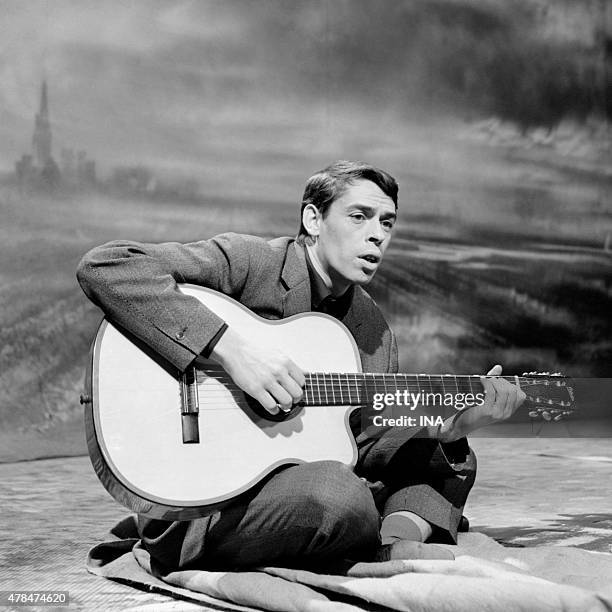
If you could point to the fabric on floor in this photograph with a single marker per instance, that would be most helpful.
(484, 576)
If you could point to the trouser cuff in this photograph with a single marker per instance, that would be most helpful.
(426, 502)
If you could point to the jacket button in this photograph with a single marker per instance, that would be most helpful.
(179, 335)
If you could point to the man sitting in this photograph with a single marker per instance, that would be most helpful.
(416, 480)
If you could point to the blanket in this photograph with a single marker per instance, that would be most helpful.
(484, 576)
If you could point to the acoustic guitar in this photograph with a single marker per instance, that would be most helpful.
(178, 445)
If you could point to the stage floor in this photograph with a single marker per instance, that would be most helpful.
(529, 492)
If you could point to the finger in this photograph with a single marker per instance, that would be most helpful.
(512, 403)
(489, 390)
(297, 374)
(496, 370)
(281, 397)
(290, 385)
(267, 401)
(502, 399)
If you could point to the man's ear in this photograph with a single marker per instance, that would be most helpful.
(311, 219)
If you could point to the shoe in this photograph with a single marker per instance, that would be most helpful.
(407, 549)
(464, 525)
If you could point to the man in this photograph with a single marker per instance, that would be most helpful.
(416, 480)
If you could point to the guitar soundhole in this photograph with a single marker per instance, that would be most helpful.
(264, 414)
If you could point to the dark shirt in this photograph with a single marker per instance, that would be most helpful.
(321, 299)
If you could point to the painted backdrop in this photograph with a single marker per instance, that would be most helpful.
(175, 120)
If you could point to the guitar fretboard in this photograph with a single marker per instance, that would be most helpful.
(335, 389)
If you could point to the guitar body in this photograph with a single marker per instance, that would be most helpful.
(179, 445)
(133, 421)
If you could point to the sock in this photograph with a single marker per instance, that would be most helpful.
(404, 525)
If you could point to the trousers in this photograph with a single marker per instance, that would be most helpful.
(321, 511)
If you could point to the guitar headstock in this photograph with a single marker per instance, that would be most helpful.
(551, 395)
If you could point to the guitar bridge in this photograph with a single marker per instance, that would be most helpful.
(190, 407)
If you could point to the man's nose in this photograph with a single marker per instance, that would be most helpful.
(376, 231)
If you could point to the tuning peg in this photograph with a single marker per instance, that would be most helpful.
(546, 415)
(534, 414)
(558, 417)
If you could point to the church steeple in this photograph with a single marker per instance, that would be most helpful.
(44, 106)
(41, 141)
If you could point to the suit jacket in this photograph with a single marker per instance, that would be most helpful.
(135, 284)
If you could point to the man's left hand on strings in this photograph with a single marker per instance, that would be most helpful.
(502, 399)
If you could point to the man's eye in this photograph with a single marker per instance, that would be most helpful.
(358, 217)
(388, 225)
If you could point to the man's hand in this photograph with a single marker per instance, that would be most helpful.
(270, 377)
(502, 399)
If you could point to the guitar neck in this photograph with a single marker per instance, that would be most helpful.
(544, 390)
(329, 389)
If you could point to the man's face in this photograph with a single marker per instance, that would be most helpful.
(354, 234)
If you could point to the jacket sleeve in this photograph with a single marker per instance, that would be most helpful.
(135, 285)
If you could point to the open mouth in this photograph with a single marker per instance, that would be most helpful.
(373, 259)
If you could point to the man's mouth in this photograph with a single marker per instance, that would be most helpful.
(371, 258)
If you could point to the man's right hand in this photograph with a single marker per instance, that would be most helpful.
(270, 377)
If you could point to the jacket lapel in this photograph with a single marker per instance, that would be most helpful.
(296, 280)
(298, 297)
(352, 319)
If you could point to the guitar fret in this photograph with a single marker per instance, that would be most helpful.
(340, 385)
(325, 400)
(348, 386)
(325, 389)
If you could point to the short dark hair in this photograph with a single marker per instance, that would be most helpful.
(325, 186)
